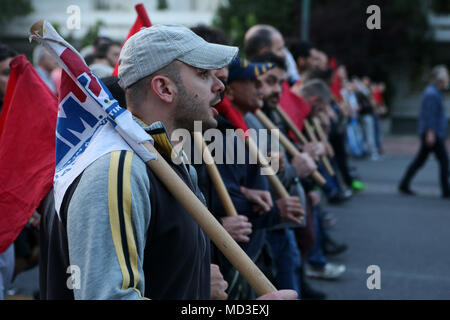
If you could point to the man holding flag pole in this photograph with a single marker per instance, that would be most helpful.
(123, 229)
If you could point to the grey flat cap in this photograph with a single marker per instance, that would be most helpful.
(153, 48)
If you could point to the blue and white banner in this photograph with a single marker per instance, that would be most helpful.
(90, 121)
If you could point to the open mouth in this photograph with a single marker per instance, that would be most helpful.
(215, 112)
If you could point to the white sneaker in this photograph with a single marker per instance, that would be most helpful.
(329, 272)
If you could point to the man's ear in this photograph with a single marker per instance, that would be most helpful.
(164, 88)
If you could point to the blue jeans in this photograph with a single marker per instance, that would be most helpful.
(6, 270)
(315, 257)
(378, 134)
(355, 138)
(331, 186)
(287, 259)
(369, 133)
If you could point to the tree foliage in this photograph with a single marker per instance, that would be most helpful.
(238, 15)
(162, 5)
(13, 8)
(339, 28)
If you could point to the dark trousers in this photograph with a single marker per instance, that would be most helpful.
(441, 155)
(337, 141)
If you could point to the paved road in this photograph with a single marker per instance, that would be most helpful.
(407, 237)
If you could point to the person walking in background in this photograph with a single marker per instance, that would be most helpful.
(45, 64)
(105, 58)
(432, 130)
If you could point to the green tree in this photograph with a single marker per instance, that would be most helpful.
(92, 33)
(339, 28)
(440, 6)
(239, 15)
(162, 5)
(13, 8)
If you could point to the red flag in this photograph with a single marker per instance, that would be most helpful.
(142, 20)
(27, 148)
(295, 106)
(335, 87)
(225, 108)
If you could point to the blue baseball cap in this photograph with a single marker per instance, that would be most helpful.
(243, 69)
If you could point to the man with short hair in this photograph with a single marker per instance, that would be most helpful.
(331, 270)
(263, 38)
(237, 226)
(281, 238)
(119, 225)
(249, 189)
(303, 54)
(105, 58)
(432, 130)
(45, 64)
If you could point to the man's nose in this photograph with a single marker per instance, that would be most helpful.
(278, 88)
(218, 85)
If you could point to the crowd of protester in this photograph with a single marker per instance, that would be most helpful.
(267, 227)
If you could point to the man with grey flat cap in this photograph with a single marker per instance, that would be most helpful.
(125, 232)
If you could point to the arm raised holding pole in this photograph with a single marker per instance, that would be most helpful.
(288, 145)
(313, 138)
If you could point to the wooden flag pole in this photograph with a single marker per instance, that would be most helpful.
(264, 164)
(322, 136)
(313, 138)
(226, 244)
(214, 174)
(300, 135)
(291, 125)
(288, 145)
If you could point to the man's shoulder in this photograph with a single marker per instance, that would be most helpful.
(431, 91)
(113, 163)
(113, 171)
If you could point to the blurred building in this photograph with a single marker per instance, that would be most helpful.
(115, 16)
(406, 103)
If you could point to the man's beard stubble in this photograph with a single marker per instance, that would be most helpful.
(268, 102)
(189, 110)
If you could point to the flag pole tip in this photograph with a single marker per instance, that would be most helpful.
(37, 28)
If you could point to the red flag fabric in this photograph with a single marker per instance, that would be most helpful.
(142, 20)
(333, 63)
(225, 108)
(378, 96)
(27, 148)
(295, 107)
(336, 86)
